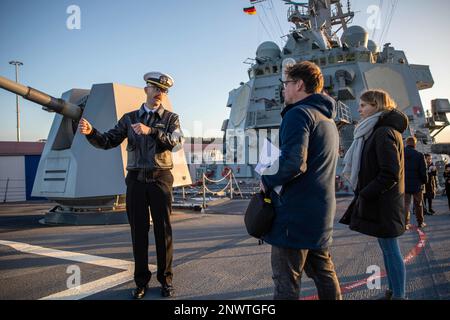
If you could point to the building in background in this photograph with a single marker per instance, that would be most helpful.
(19, 162)
(18, 165)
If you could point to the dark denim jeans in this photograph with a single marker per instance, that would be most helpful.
(395, 267)
(288, 266)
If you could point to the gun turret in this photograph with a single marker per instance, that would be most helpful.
(48, 102)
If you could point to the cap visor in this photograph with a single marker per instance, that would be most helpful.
(157, 84)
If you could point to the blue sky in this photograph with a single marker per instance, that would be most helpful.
(201, 43)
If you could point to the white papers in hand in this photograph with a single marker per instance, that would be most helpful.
(268, 156)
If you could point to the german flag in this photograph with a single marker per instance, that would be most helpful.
(250, 10)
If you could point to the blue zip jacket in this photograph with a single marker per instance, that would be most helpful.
(415, 170)
(309, 143)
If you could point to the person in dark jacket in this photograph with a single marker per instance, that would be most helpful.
(378, 207)
(447, 183)
(415, 178)
(306, 169)
(152, 133)
(431, 185)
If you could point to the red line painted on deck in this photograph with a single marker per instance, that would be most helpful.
(409, 257)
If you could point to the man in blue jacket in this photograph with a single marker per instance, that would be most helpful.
(302, 229)
(415, 178)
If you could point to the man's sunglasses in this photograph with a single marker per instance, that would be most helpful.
(162, 90)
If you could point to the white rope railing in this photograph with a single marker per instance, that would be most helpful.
(219, 191)
(217, 181)
(230, 176)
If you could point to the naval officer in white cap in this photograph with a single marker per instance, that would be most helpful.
(152, 132)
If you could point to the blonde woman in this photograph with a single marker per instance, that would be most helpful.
(374, 165)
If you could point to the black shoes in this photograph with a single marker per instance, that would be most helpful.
(167, 291)
(139, 292)
(387, 295)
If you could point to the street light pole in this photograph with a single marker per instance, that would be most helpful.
(17, 64)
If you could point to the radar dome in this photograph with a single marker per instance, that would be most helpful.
(372, 46)
(268, 49)
(355, 37)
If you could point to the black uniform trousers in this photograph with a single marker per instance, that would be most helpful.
(156, 193)
(447, 192)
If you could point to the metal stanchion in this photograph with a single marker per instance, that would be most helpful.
(6, 191)
(231, 186)
(233, 177)
(204, 193)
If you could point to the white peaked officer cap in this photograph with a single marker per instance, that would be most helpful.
(159, 79)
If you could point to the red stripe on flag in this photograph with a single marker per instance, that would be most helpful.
(250, 10)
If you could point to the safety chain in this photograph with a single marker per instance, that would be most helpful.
(217, 181)
(220, 191)
(230, 177)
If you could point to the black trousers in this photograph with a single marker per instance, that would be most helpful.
(447, 192)
(429, 201)
(156, 193)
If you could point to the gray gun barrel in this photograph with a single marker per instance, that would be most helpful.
(49, 103)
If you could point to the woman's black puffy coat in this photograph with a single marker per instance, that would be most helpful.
(378, 208)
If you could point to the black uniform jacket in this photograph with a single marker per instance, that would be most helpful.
(153, 151)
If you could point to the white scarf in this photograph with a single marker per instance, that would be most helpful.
(352, 159)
